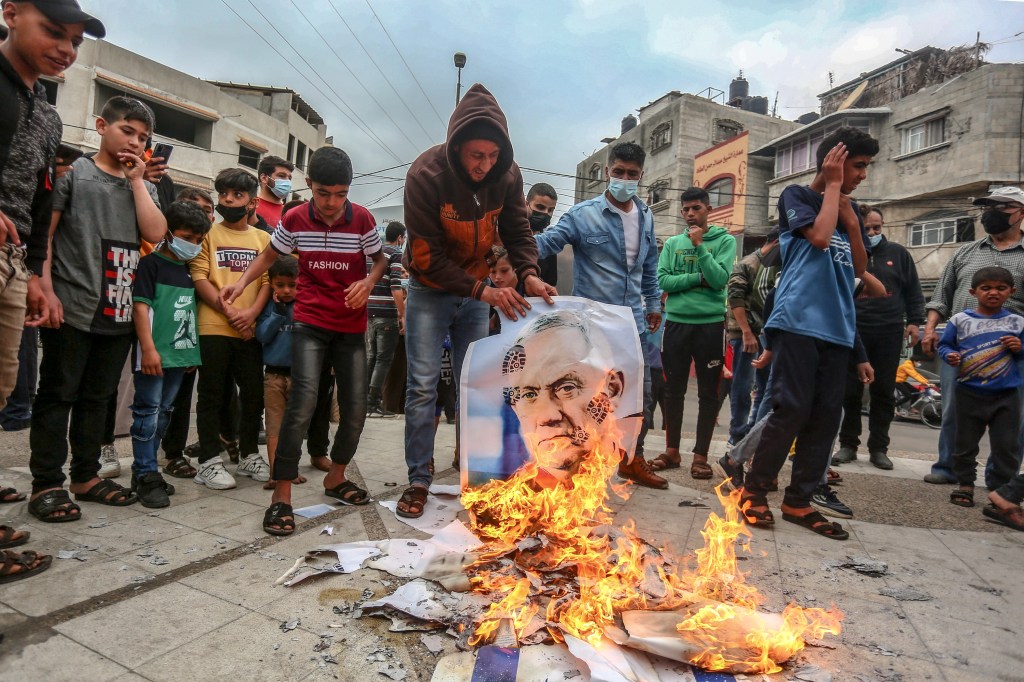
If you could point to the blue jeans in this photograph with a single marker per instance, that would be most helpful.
(744, 377)
(947, 436)
(18, 412)
(151, 412)
(430, 315)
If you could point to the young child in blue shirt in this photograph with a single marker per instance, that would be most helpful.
(985, 344)
(164, 311)
(274, 331)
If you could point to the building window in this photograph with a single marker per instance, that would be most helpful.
(595, 173)
(923, 135)
(721, 192)
(300, 156)
(725, 129)
(658, 194)
(171, 123)
(933, 232)
(661, 137)
(801, 157)
(248, 157)
(51, 90)
(291, 148)
(783, 161)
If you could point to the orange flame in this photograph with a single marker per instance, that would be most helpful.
(553, 542)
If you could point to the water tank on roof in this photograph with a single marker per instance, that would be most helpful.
(628, 123)
(739, 88)
(759, 105)
(809, 117)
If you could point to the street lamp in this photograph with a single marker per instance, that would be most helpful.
(460, 61)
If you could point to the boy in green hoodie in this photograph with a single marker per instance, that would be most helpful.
(694, 270)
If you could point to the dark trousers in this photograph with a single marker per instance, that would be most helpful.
(703, 345)
(228, 360)
(381, 341)
(657, 396)
(176, 438)
(883, 347)
(808, 378)
(318, 438)
(347, 354)
(1000, 414)
(18, 411)
(79, 373)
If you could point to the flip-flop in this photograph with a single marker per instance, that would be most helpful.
(46, 506)
(349, 493)
(7, 538)
(109, 493)
(701, 471)
(9, 559)
(662, 462)
(415, 500)
(1011, 518)
(819, 524)
(274, 516)
(6, 493)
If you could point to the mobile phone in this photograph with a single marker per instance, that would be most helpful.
(68, 154)
(163, 150)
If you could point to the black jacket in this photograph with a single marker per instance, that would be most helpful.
(892, 264)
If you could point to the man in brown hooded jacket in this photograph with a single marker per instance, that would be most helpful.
(461, 197)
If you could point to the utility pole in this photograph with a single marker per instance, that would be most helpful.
(460, 61)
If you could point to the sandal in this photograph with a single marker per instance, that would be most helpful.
(180, 467)
(663, 461)
(819, 524)
(109, 493)
(415, 499)
(10, 495)
(10, 537)
(46, 506)
(962, 498)
(279, 519)
(1012, 518)
(833, 477)
(700, 469)
(754, 517)
(349, 493)
(234, 454)
(30, 563)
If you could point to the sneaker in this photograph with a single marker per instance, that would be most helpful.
(152, 489)
(255, 467)
(110, 465)
(731, 471)
(825, 499)
(939, 479)
(214, 476)
(639, 471)
(380, 413)
(844, 454)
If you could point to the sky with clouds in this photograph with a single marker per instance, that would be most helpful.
(564, 71)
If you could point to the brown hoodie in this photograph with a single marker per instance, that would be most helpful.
(452, 221)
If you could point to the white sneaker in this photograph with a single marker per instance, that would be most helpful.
(110, 465)
(255, 467)
(213, 475)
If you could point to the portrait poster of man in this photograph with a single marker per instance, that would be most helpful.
(551, 386)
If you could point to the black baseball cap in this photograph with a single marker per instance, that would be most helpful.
(70, 12)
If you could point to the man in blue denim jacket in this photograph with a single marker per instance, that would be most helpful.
(615, 260)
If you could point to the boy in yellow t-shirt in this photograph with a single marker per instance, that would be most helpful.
(227, 343)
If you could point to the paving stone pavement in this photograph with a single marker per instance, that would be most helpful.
(187, 593)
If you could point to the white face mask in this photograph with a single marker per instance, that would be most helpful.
(185, 250)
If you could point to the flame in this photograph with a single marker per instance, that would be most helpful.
(551, 551)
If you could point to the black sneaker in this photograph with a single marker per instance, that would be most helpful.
(825, 499)
(152, 489)
(380, 413)
(732, 471)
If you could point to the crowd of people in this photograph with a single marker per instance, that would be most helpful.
(276, 310)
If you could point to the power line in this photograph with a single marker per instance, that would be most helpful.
(384, 196)
(418, 84)
(352, 73)
(336, 100)
(381, 72)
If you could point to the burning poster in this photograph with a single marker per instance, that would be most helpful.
(550, 389)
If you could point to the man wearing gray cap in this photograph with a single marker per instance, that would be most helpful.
(1003, 246)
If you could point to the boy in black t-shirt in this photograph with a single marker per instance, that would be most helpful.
(164, 303)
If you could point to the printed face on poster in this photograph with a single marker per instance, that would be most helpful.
(551, 387)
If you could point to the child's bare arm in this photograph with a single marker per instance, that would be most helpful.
(152, 224)
(151, 361)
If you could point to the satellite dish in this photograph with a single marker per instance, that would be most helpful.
(852, 98)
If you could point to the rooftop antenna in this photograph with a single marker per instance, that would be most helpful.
(830, 79)
(775, 105)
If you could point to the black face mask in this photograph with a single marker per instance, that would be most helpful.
(233, 214)
(995, 221)
(538, 221)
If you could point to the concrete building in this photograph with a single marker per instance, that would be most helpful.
(211, 125)
(676, 128)
(949, 129)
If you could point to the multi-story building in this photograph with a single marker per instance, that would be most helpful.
(949, 128)
(693, 139)
(211, 125)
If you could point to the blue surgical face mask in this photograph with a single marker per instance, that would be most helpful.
(622, 190)
(184, 250)
(281, 188)
(875, 239)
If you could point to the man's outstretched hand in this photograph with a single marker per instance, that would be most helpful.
(535, 286)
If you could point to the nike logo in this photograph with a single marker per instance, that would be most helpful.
(183, 302)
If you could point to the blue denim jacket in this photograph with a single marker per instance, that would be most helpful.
(599, 256)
